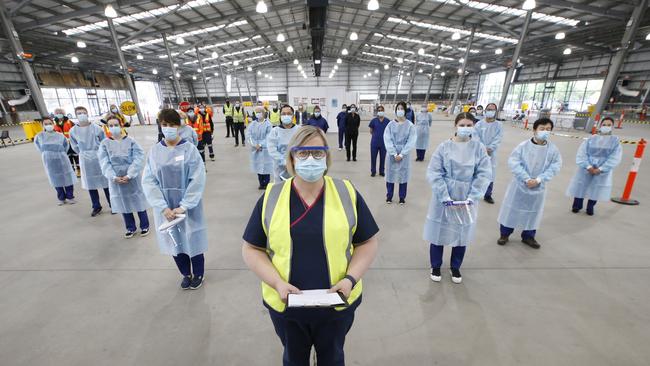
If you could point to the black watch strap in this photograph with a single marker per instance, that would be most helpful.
(352, 279)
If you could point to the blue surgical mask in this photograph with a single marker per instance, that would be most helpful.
(82, 117)
(170, 133)
(464, 131)
(286, 120)
(59, 116)
(310, 169)
(400, 113)
(605, 129)
(380, 114)
(49, 128)
(190, 114)
(115, 131)
(317, 114)
(490, 114)
(259, 115)
(114, 110)
(543, 135)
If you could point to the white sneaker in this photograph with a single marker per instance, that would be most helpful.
(60, 203)
(435, 275)
(456, 276)
(340, 149)
(72, 201)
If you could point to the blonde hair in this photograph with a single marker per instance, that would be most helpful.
(304, 134)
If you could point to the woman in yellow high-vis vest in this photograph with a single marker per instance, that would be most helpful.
(310, 232)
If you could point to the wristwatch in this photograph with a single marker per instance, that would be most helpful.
(352, 279)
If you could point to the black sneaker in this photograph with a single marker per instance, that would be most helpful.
(489, 200)
(435, 275)
(144, 232)
(236, 145)
(455, 275)
(372, 174)
(243, 145)
(129, 235)
(502, 240)
(402, 201)
(354, 159)
(575, 210)
(531, 242)
(382, 174)
(389, 201)
(96, 211)
(185, 284)
(196, 282)
(590, 212)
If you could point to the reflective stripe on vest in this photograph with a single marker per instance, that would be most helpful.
(206, 122)
(238, 116)
(275, 118)
(340, 223)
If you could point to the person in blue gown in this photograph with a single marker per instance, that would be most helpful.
(53, 147)
(261, 161)
(423, 122)
(277, 142)
(399, 138)
(490, 133)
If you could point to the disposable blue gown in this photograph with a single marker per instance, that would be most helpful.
(600, 151)
(53, 147)
(523, 207)
(422, 125)
(119, 158)
(490, 134)
(457, 171)
(186, 132)
(399, 138)
(175, 177)
(261, 162)
(277, 142)
(85, 141)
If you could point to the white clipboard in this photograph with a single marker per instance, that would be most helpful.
(169, 224)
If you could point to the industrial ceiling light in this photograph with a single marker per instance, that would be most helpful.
(567, 51)
(140, 57)
(180, 41)
(408, 74)
(336, 67)
(421, 51)
(317, 62)
(483, 66)
(498, 51)
(154, 71)
(249, 68)
(386, 67)
(442, 73)
(354, 36)
(261, 7)
(339, 61)
(215, 55)
(175, 64)
(365, 76)
(178, 75)
(461, 60)
(266, 76)
(280, 37)
(81, 44)
(460, 71)
(437, 67)
(198, 70)
(290, 49)
(270, 77)
(235, 63)
(373, 5)
(344, 52)
(300, 67)
(74, 59)
(400, 60)
(110, 12)
(529, 5)
(455, 36)
(217, 74)
(560, 35)
(193, 77)
(295, 61)
(647, 38)
(420, 71)
(376, 71)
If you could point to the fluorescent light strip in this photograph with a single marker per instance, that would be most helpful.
(226, 55)
(512, 11)
(240, 40)
(406, 39)
(183, 35)
(395, 58)
(138, 16)
(409, 52)
(240, 61)
(452, 30)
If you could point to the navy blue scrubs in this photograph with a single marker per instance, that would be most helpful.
(298, 328)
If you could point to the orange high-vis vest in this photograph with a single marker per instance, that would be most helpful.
(206, 121)
(196, 125)
(67, 126)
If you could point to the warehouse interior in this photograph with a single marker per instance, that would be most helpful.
(75, 292)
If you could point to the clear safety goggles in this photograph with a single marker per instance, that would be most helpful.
(303, 152)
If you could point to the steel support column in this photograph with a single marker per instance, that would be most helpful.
(433, 70)
(390, 74)
(17, 49)
(415, 67)
(175, 83)
(511, 70)
(461, 77)
(205, 83)
(618, 60)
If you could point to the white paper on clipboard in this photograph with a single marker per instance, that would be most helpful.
(315, 298)
(169, 224)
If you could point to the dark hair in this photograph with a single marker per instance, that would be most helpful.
(80, 108)
(464, 115)
(381, 106)
(607, 118)
(470, 108)
(542, 121)
(401, 103)
(494, 104)
(169, 116)
(344, 106)
(479, 106)
(112, 116)
(317, 106)
(287, 106)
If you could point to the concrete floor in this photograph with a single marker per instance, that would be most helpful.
(75, 293)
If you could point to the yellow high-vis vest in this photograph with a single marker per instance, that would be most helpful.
(228, 110)
(238, 116)
(339, 226)
(274, 117)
